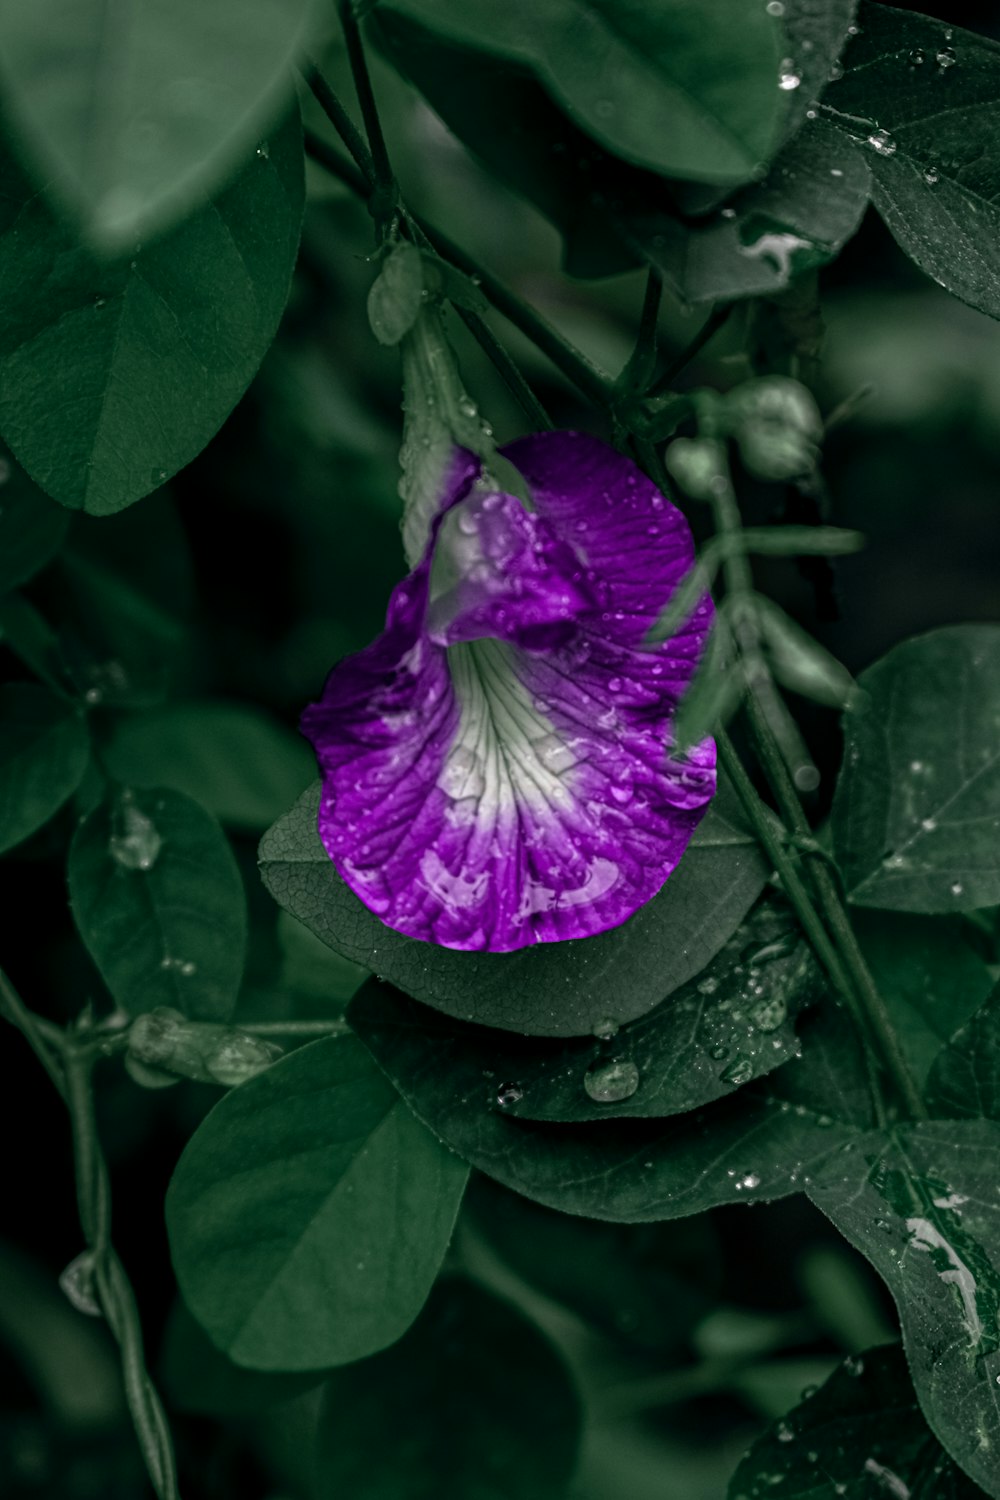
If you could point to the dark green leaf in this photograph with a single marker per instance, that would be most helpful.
(242, 766)
(816, 32)
(309, 1213)
(196, 1377)
(648, 1284)
(916, 814)
(553, 989)
(44, 750)
(673, 88)
(965, 1080)
(920, 99)
(31, 527)
(540, 153)
(932, 981)
(734, 1023)
(860, 1437)
(920, 1202)
(439, 1417)
(762, 1144)
(137, 111)
(799, 217)
(115, 374)
(158, 900)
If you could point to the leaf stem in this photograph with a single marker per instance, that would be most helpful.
(295, 1028)
(664, 378)
(638, 370)
(342, 123)
(383, 180)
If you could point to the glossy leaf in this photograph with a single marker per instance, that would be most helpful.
(920, 1202)
(32, 529)
(916, 814)
(458, 1424)
(554, 989)
(158, 900)
(116, 373)
(241, 765)
(931, 979)
(137, 112)
(860, 1437)
(919, 99)
(735, 1022)
(668, 87)
(965, 1080)
(310, 1212)
(44, 750)
(764, 1143)
(816, 33)
(808, 206)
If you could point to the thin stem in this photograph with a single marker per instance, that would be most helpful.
(507, 370)
(835, 913)
(768, 833)
(384, 180)
(638, 370)
(13, 1008)
(343, 125)
(295, 1028)
(664, 378)
(329, 157)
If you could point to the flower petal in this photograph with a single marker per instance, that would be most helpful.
(490, 794)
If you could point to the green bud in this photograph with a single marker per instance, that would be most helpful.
(165, 1042)
(777, 426)
(698, 465)
(396, 293)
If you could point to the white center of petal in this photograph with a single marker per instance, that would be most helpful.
(505, 751)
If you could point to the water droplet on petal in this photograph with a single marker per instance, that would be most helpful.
(609, 1083)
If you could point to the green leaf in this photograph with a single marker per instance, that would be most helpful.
(920, 100)
(763, 1144)
(138, 111)
(540, 153)
(44, 750)
(241, 765)
(668, 87)
(816, 33)
(646, 1284)
(920, 1202)
(808, 206)
(930, 978)
(859, 1437)
(460, 1425)
(115, 374)
(964, 1082)
(158, 901)
(553, 989)
(197, 1378)
(310, 1212)
(713, 1035)
(798, 661)
(31, 527)
(916, 813)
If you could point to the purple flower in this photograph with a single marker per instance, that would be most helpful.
(496, 766)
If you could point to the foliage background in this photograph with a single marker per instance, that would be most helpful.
(270, 555)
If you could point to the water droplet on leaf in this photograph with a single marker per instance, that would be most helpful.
(882, 142)
(609, 1083)
(509, 1093)
(138, 846)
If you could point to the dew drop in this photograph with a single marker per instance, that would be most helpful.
(509, 1093)
(608, 1083)
(956, 888)
(931, 177)
(882, 142)
(946, 58)
(708, 986)
(738, 1072)
(788, 79)
(917, 57)
(606, 1028)
(854, 1365)
(784, 1433)
(768, 1015)
(749, 1180)
(138, 847)
(775, 7)
(928, 824)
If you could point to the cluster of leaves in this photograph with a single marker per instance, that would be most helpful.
(694, 1058)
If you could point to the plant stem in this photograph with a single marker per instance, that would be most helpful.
(343, 125)
(638, 370)
(294, 1028)
(768, 833)
(330, 158)
(71, 1078)
(665, 377)
(867, 993)
(383, 180)
(507, 370)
